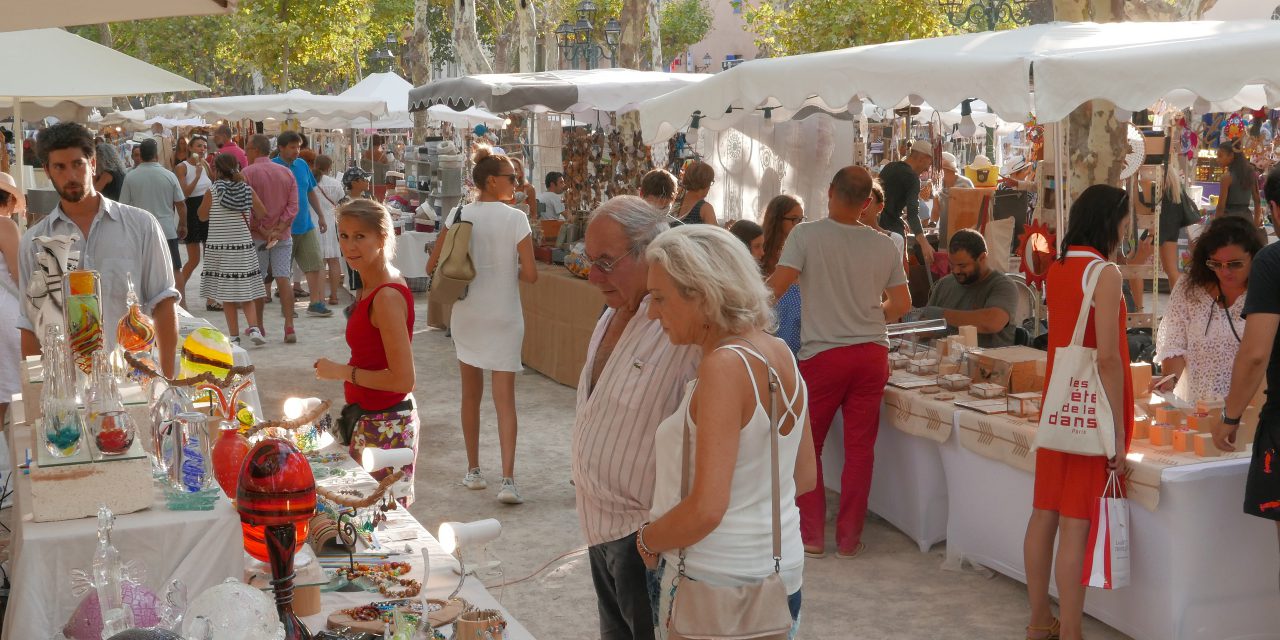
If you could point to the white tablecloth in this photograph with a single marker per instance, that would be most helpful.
(200, 548)
(1201, 568)
(908, 487)
(411, 253)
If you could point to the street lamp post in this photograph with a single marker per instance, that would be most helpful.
(577, 44)
(385, 58)
(986, 15)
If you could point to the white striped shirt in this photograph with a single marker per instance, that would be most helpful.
(613, 460)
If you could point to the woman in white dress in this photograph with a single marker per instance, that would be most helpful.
(331, 193)
(488, 323)
(10, 340)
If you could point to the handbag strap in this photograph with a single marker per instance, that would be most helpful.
(773, 386)
(1092, 273)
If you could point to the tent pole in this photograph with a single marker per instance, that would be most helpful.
(19, 175)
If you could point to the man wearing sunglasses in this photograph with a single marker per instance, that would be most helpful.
(632, 380)
(1259, 352)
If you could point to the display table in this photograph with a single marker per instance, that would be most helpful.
(200, 548)
(403, 532)
(560, 314)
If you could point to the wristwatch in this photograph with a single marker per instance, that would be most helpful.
(1230, 422)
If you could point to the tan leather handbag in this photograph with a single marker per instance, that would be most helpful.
(454, 269)
(758, 611)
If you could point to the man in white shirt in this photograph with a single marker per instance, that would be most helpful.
(116, 240)
(633, 379)
(552, 197)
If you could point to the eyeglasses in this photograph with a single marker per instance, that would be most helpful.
(509, 176)
(608, 266)
(1230, 265)
(795, 219)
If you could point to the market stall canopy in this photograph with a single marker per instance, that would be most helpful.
(297, 104)
(65, 13)
(388, 87)
(562, 91)
(1132, 64)
(65, 67)
(469, 118)
(138, 119)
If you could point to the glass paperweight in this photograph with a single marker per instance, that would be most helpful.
(62, 427)
(191, 468)
(953, 381)
(82, 291)
(136, 331)
(923, 366)
(898, 360)
(112, 427)
(986, 390)
(166, 404)
(232, 611)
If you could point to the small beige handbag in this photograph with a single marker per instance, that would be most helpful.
(454, 270)
(759, 611)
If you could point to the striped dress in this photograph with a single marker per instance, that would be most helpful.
(231, 272)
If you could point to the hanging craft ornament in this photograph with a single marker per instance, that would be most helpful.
(1035, 135)
(1035, 253)
(1136, 156)
(1234, 128)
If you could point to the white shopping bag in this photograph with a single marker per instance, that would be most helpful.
(1106, 561)
(1076, 415)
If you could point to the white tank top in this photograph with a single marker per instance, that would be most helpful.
(202, 187)
(740, 550)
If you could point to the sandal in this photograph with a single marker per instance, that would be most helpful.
(213, 307)
(814, 552)
(1050, 632)
(333, 300)
(848, 555)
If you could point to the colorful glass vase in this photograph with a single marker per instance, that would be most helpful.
(229, 452)
(276, 498)
(62, 428)
(112, 427)
(136, 331)
(82, 291)
(190, 468)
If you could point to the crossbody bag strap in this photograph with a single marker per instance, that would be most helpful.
(774, 386)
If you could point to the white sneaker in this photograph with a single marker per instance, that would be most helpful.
(508, 494)
(255, 336)
(474, 480)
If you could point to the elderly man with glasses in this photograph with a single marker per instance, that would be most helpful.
(633, 378)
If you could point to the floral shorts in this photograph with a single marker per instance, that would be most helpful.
(388, 430)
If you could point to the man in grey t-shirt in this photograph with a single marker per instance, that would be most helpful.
(974, 294)
(155, 189)
(851, 284)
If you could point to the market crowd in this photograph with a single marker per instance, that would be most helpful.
(715, 374)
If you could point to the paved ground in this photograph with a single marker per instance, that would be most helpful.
(891, 592)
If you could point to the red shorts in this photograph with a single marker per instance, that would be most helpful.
(1068, 483)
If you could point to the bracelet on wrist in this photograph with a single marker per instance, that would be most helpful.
(641, 546)
(353, 375)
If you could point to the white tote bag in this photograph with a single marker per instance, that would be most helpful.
(1076, 416)
(1106, 563)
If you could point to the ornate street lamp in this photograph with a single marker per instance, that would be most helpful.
(986, 15)
(576, 41)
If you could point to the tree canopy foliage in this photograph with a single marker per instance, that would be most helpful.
(684, 24)
(788, 28)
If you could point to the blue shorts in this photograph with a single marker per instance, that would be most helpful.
(276, 262)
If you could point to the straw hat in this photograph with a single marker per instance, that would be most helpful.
(1015, 164)
(949, 161)
(981, 162)
(8, 184)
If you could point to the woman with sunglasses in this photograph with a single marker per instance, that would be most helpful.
(1201, 330)
(488, 323)
(781, 216)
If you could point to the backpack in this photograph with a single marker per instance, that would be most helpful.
(454, 270)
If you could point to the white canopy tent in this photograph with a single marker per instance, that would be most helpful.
(469, 118)
(138, 119)
(60, 75)
(571, 91)
(61, 13)
(297, 104)
(1132, 64)
(395, 91)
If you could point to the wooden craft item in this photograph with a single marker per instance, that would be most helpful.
(485, 623)
(1203, 422)
(968, 335)
(1161, 435)
(1204, 447)
(1183, 439)
(949, 367)
(1209, 407)
(448, 612)
(1140, 379)
(1014, 368)
(1141, 427)
(1167, 414)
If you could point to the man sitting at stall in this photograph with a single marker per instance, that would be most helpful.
(973, 294)
(552, 198)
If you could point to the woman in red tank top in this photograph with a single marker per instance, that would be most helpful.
(379, 377)
(1066, 485)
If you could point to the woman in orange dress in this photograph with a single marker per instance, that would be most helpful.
(1066, 484)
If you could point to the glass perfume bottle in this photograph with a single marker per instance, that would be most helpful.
(62, 427)
(112, 427)
(83, 307)
(108, 578)
(136, 331)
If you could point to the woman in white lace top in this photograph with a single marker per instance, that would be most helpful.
(1202, 327)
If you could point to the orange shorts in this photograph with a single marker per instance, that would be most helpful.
(1068, 483)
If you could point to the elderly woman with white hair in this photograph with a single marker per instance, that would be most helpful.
(713, 512)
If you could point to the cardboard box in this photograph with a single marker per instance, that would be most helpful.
(1014, 368)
